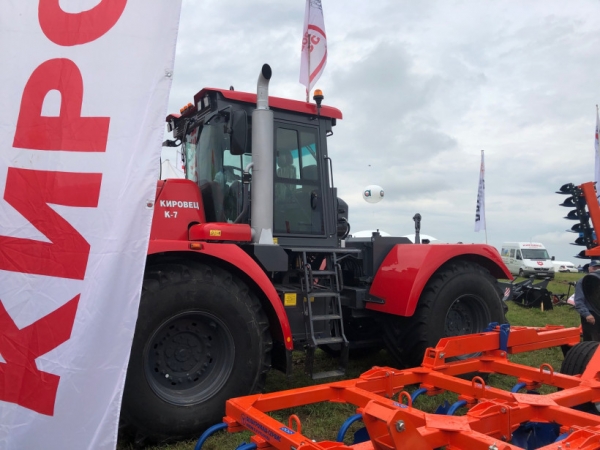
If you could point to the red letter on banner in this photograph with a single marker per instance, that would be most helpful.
(20, 380)
(29, 191)
(74, 29)
(69, 131)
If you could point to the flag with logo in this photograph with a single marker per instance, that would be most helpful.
(314, 45)
(480, 211)
(81, 126)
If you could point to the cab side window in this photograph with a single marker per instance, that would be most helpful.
(297, 204)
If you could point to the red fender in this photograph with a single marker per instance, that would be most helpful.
(408, 267)
(235, 256)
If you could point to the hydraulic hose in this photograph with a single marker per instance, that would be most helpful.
(208, 433)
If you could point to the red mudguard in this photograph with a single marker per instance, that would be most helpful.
(408, 267)
(235, 256)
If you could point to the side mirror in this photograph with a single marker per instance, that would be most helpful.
(239, 132)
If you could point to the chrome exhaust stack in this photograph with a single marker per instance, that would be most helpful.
(262, 158)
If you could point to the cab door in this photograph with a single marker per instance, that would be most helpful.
(298, 202)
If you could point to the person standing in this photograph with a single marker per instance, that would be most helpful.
(590, 316)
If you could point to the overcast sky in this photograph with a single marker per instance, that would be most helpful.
(424, 87)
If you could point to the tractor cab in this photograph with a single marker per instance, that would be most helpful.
(216, 137)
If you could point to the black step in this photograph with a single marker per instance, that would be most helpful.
(329, 340)
(317, 273)
(321, 294)
(327, 317)
(325, 250)
(328, 374)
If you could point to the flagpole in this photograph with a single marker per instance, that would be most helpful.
(484, 228)
(480, 211)
(308, 50)
(597, 156)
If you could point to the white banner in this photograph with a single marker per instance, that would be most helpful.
(314, 45)
(480, 211)
(84, 95)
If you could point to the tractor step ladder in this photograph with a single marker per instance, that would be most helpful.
(321, 291)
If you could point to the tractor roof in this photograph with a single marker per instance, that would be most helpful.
(274, 102)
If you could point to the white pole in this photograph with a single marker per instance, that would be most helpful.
(484, 228)
(308, 50)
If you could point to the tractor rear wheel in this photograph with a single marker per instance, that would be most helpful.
(460, 298)
(201, 338)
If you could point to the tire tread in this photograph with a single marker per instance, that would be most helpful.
(163, 275)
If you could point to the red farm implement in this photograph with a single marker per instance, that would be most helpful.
(495, 419)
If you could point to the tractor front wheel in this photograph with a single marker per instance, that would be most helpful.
(201, 338)
(460, 298)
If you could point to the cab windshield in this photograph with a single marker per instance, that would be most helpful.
(541, 253)
(217, 172)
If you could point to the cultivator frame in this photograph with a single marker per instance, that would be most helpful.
(492, 417)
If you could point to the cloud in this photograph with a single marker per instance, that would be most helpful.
(424, 87)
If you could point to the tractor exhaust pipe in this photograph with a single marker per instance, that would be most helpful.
(262, 157)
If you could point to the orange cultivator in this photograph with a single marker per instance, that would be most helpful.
(495, 420)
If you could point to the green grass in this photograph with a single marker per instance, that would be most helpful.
(322, 421)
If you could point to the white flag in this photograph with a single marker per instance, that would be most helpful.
(597, 153)
(314, 45)
(81, 125)
(480, 211)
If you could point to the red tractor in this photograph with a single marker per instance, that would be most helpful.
(250, 259)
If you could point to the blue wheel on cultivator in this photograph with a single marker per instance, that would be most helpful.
(495, 419)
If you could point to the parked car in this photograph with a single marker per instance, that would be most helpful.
(564, 266)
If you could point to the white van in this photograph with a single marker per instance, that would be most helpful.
(527, 258)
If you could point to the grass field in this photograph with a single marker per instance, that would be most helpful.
(322, 421)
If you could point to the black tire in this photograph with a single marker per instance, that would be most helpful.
(578, 357)
(521, 274)
(201, 338)
(460, 298)
(575, 362)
